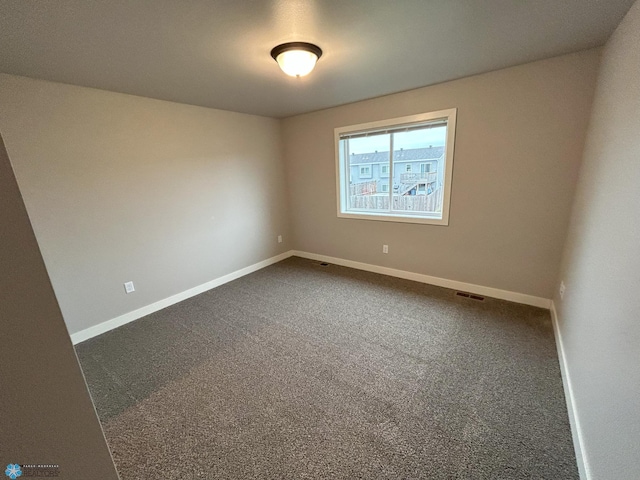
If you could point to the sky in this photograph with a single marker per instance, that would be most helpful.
(415, 139)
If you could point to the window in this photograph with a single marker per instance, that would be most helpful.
(418, 195)
(365, 171)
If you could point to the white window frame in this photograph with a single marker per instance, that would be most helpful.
(382, 172)
(368, 168)
(342, 168)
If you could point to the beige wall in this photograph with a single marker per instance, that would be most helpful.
(599, 318)
(123, 188)
(519, 140)
(47, 415)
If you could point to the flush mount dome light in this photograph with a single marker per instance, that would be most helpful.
(296, 58)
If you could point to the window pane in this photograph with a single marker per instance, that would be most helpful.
(368, 172)
(418, 170)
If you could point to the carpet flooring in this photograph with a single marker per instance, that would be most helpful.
(308, 371)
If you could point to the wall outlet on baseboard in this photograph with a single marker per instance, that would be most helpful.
(279, 238)
(129, 288)
(562, 290)
(385, 248)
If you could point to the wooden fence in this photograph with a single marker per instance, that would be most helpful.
(406, 203)
(364, 188)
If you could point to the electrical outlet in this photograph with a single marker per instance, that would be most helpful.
(129, 288)
(562, 290)
(385, 248)
(279, 238)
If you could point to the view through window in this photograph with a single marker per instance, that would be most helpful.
(398, 170)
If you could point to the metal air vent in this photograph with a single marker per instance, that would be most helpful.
(472, 296)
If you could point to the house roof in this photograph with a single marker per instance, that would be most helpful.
(402, 155)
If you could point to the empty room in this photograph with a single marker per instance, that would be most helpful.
(319, 239)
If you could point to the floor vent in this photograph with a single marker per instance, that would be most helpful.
(470, 295)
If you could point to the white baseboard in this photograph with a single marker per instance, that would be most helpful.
(576, 431)
(440, 282)
(103, 327)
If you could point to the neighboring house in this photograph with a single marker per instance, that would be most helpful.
(416, 171)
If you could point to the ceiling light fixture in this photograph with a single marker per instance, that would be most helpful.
(296, 59)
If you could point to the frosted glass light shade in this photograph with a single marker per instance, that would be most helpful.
(296, 59)
(297, 63)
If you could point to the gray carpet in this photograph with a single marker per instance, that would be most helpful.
(305, 371)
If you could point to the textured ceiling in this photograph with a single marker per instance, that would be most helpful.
(215, 53)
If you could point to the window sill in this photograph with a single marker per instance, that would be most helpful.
(423, 219)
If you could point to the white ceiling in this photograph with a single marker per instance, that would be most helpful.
(215, 53)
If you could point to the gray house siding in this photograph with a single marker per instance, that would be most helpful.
(368, 167)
